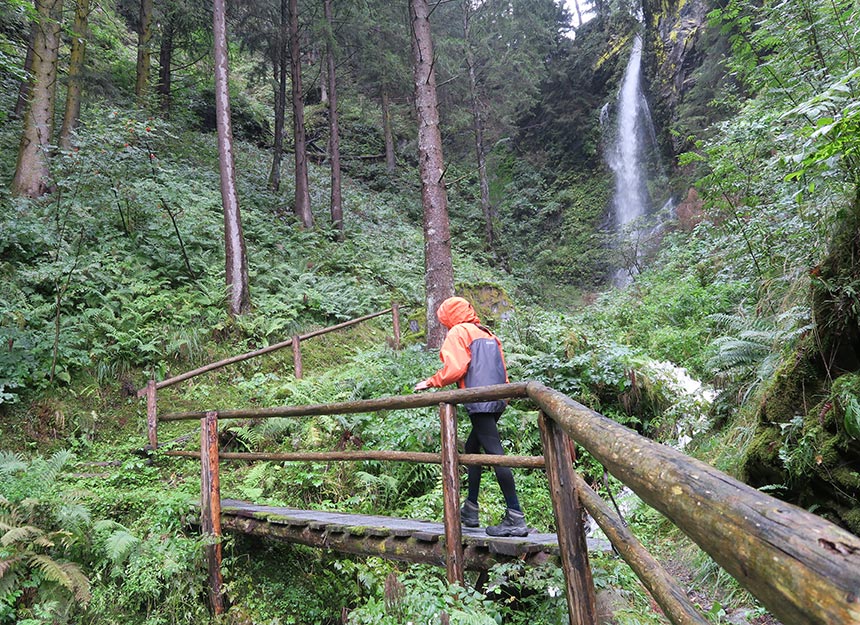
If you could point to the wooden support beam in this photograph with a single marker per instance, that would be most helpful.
(662, 586)
(210, 507)
(451, 494)
(152, 413)
(581, 602)
(418, 400)
(395, 320)
(297, 357)
(804, 569)
(485, 460)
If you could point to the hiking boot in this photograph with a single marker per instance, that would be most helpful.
(514, 524)
(469, 514)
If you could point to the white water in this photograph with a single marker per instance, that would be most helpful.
(634, 128)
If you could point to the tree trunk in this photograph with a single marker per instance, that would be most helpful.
(486, 209)
(279, 70)
(32, 173)
(438, 268)
(144, 36)
(303, 197)
(76, 66)
(234, 240)
(27, 84)
(578, 13)
(334, 131)
(390, 157)
(165, 60)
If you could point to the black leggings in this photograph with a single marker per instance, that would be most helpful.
(485, 435)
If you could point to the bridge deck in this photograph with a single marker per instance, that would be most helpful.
(410, 540)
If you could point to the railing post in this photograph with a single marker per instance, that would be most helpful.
(451, 494)
(152, 413)
(581, 602)
(395, 319)
(297, 356)
(210, 506)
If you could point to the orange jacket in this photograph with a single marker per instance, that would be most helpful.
(456, 314)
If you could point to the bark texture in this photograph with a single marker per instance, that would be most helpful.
(303, 197)
(438, 267)
(388, 133)
(334, 130)
(76, 67)
(234, 240)
(165, 61)
(144, 38)
(478, 126)
(32, 174)
(279, 70)
(26, 84)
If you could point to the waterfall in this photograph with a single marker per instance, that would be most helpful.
(634, 133)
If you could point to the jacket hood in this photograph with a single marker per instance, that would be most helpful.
(456, 310)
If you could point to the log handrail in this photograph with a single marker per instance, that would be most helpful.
(265, 350)
(802, 568)
(150, 391)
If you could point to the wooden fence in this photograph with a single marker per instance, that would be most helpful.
(150, 391)
(805, 570)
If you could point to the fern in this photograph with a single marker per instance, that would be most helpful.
(24, 534)
(67, 574)
(754, 349)
(11, 462)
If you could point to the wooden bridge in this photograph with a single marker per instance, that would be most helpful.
(803, 569)
(408, 540)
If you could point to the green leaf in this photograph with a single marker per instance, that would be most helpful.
(851, 407)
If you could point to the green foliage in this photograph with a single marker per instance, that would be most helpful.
(40, 531)
(418, 596)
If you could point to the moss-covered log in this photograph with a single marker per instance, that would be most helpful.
(802, 568)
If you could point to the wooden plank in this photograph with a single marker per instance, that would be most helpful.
(210, 507)
(418, 400)
(802, 568)
(581, 602)
(451, 493)
(405, 549)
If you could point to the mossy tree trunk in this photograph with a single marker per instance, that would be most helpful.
(76, 67)
(32, 174)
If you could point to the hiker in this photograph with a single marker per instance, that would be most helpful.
(472, 356)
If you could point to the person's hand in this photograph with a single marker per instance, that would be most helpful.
(422, 386)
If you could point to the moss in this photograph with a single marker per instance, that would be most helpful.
(851, 519)
(490, 301)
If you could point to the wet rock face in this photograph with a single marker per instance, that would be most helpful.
(680, 53)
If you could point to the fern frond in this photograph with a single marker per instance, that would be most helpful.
(107, 524)
(119, 546)
(6, 565)
(73, 516)
(9, 579)
(21, 534)
(11, 462)
(51, 570)
(9, 521)
(66, 574)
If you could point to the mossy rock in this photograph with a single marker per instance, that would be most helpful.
(490, 301)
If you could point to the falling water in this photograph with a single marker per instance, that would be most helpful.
(635, 128)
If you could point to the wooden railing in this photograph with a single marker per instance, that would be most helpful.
(802, 568)
(150, 391)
